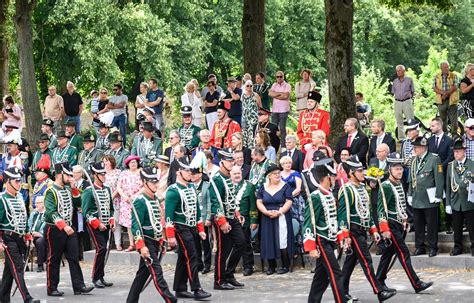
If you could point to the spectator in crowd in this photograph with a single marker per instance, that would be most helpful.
(204, 144)
(469, 138)
(274, 201)
(296, 155)
(272, 129)
(36, 227)
(11, 113)
(262, 88)
(341, 173)
(263, 140)
(239, 161)
(129, 186)
(250, 104)
(318, 139)
(302, 89)
(238, 83)
(363, 109)
(189, 98)
(179, 152)
(197, 90)
(155, 99)
(379, 136)
(233, 95)
(211, 168)
(163, 165)
(412, 132)
(237, 145)
(174, 141)
(205, 90)
(73, 105)
(210, 103)
(467, 89)
(118, 105)
(53, 107)
(141, 99)
(445, 86)
(98, 107)
(354, 140)
(112, 175)
(403, 91)
(280, 92)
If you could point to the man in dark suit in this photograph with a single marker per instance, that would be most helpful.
(355, 141)
(379, 136)
(296, 155)
(239, 160)
(442, 145)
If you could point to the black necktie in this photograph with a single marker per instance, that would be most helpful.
(437, 141)
(289, 153)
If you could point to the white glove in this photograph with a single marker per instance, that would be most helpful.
(437, 200)
(409, 200)
(449, 210)
(308, 146)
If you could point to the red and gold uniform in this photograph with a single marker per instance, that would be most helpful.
(221, 136)
(312, 119)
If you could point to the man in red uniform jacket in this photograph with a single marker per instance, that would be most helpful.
(312, 119)
(224, 128)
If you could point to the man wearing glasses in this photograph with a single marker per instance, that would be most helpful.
(469, 138)
(118, 104)
(280, 92)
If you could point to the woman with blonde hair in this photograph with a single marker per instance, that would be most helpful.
(467, 89)
(189, 98)
(251, 102)
(238, 145)
(318, 137)
(141, 99)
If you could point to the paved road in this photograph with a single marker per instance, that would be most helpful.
(450, 286)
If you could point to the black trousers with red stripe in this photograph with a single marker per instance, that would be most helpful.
(41, 249)
(154, 269)
(58, 243)
(229, 246)
(13, 270)
(399, 248)
(360, 251)
(327, 271)
(187, 266)
(100, 239)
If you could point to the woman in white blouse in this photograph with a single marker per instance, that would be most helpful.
(189, 98)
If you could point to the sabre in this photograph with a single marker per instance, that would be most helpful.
(344, 249)
(387, 242)
(27, 255)
(162, 252)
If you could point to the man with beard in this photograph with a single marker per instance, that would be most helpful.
(272, 129)
(224, 128)
(312, 119)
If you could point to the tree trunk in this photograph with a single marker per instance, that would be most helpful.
(253, 36)
(29, 92)
(3, 47)
(338, 44)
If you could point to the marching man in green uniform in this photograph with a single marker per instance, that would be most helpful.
(184, 227)
(116, 150)
(458, 181)
(393, 224)
(259, 167)
(147, 146)
(147, 230)
(189, 132)
(90, 154)
(355, 217)
(61, 201)
(75, 140)
(225, 207)
(321, 233)
(64, 152)
(43, 144)
(13, 234)
(98, 209)
(424, 195)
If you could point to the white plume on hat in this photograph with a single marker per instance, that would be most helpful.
(199, 161)
(14, 135)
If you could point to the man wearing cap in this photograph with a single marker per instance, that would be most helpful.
(64, 152)
(272, 129)
(184, 227)
(312, 119)
(162, 163)
(189, 132)
(393, 225)
(90, 154)
(53, 107)
(41, 173)
(226, 212)
(147, 146)
(224, 128)
(116, 150)
(321, 233)
(259, 167)
(102, 143)
(47, 128)
(425, 192)
(15, 158)
(13, 234)
(98, 209)
(61, 201)
(147, 230)
(355, 220)
(74, 139)
(36, 227)
(232, 95)
(43, 144)
(460, 175)
(73, 105)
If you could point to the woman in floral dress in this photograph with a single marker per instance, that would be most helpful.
(129, 186)
(250, 104)
(112, 175)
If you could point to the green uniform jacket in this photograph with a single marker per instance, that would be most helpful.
(396, 203)
(36, 222)
(178, 211)
(248, 202)
(142, 224)
(120, 156)
(257, 172)
(146, 153)
(424, 174)
(102, 143)
(228, 208)
(87, 157)
(36, 158)
(457, 185)
(190, 136)
(69, 154)
(77, 141)
(53, 142)
(56, 214)
(89, 206)
(354, 202)
(204, 199)
(13, 216)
